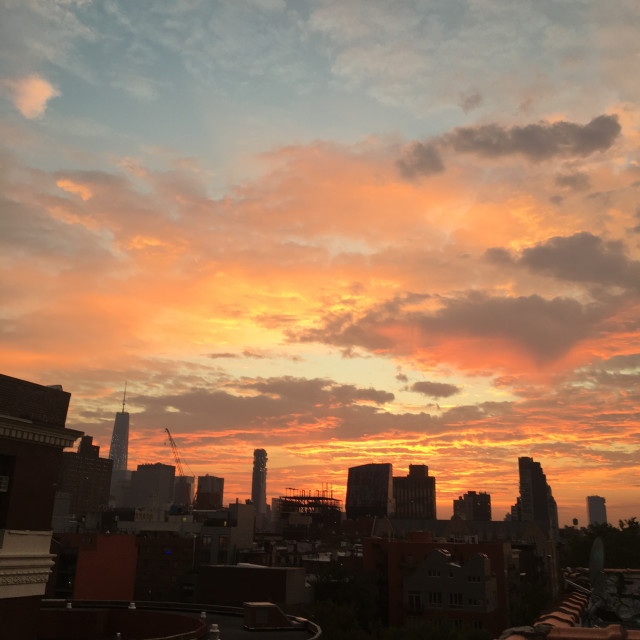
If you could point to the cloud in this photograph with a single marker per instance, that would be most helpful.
(540, 141)
(470, 101)
(419, 159)
(435, 389)
(583, 257)
(30, 94)
(544, 329)
(537, 141)
(577, 181)
(317, 390)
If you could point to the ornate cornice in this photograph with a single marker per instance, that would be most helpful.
(17, 429)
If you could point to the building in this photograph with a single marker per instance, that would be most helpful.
(119, 453)
(86, 477)
(93, 566)
(32, 437)
(235, 585)
(210, 492)
(226, 532)
(473, 506)
(183, 490)
(370, 491)
(597, 510)
(259, 484)
(464, 585)
(304, 513)
(536, 500)
(152, 486)
(415, 494)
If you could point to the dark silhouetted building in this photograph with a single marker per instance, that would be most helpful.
(152, 486)
(473, 506)
(415, 494)
(183, 490)
(259, 483)
(303, 513)
(370, 491)
(597, 510)
(93, 566)
(119, 453)
(210, 492)
(536, 503)
(32, 437)
(86, 477)
(461, 585)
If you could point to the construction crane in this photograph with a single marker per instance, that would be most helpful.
(181, 476)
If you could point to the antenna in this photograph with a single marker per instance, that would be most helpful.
(124, 397)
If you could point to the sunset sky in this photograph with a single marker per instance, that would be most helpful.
(345, 231)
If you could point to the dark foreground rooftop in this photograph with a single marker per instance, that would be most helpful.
(102, 620)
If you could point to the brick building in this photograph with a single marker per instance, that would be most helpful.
(32, 437)
(86, 477)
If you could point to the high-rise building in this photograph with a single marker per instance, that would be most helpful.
(536, 500)
(370, 491)
(86, 477)
(152, 486)
(32, 437)
(259, 482)
(183, 490)
(415, 494)
(119, 450)
(597, 510)
(210, 492)
(473, 506)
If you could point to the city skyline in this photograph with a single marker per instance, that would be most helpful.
(344, 232)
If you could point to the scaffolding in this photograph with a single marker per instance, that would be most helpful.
(316, 502)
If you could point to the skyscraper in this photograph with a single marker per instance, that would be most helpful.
(597, 510)
(536, 501)
(210, 492)
(259, 482)
(473, 506)
(415, 494)
(370, 491)
(86, 477)
(119, 450)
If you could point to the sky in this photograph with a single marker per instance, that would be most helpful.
(344, 231)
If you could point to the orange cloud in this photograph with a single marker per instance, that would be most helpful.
(31, 94)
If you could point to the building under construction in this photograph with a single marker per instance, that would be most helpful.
(308, 512)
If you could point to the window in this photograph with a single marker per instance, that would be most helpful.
(475, 602)
(433, 573)
(415, 601)
(4, 484)
(434, 598)
(474, 579)
(455, 600)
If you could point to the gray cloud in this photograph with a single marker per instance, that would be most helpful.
(583, 257)
(420, 159)
(498, 255)
(435, 389)
(577, 181)
(537, 141)
(546, 329)
(470, 101)
(316, 390)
